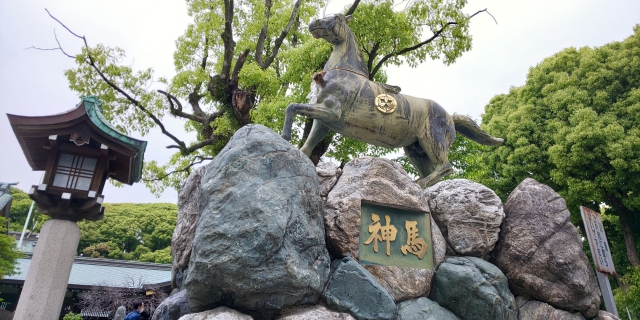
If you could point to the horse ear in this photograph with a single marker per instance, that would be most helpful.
(348, 18)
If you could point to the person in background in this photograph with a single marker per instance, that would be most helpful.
(138, 307)
(120, 313)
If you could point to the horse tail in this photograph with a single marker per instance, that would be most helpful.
(468, 128)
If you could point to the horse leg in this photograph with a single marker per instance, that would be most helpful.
(419, 159)
(317, 133)
(438, 152)
(323, 111)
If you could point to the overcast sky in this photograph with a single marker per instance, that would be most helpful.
(32, 82)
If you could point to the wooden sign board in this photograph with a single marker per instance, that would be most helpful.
(597, 241)
(395, 237)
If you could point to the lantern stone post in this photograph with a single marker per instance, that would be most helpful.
(77, 150)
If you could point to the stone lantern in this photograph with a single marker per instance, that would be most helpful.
(77, 150)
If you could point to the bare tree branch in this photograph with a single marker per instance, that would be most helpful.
(62, 24)
(283, 35)
(436, 34)
(105, 298)
(485, 10)
(194, 146)
(194, 96)
(115, 87)
(239, 64)
(372, 54)
(353, 7)
(227, 39)
(196, 160)
(263, 33)
(177, 108)
(51, 49)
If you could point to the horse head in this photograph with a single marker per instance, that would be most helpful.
(333, 28)
(346, 52)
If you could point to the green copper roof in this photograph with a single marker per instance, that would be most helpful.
(93, 107)
(4, 199)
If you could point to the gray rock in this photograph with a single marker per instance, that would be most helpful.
(353, 289)
(259, 244)
(423, 309)
(520, 301)
(328, 172)
(177, 278)
(318, 312)
(603, 315)
(6, 315)
(536, 310)
(541, 254)
(473, 289)
(187, 220)
(172, 308)
(383, 181)
(468, 214)
(221, 313)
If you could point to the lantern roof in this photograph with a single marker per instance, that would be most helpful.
(33, 133)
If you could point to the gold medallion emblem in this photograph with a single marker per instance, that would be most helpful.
(386, 103)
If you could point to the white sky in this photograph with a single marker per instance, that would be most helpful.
(32, 82)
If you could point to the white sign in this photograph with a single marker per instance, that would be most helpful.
(597, 241)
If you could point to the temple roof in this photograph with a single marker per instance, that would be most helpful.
(33, 132)
(88, 272)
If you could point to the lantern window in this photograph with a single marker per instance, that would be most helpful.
(74, 171)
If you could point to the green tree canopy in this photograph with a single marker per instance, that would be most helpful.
(8, 252)
(20, 210)
(575, 126)
(140, 232)
(243, 62)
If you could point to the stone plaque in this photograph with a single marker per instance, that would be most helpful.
(395, 237)
(597, 241)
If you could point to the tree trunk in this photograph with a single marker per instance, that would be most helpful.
(623, 213)
(629, 242)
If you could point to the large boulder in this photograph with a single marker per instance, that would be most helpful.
(382, 181)
(259, 245)
(402, 283)
(603, 315)
(536, 310)
(423, 309)
(540, 251)
(172, 308)
(328, 172)
(468, 215)
(187, 220)
(318, 312)
(353, 289)
(473, 289)
(221, 313)
(6, 315)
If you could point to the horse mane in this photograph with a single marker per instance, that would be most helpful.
(344, 59)
(351, 38)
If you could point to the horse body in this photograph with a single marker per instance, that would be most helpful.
(345, 104)
(360, 120)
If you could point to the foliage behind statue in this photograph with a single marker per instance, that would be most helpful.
(575, 126)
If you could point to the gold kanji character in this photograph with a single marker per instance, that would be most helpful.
(414, 244)
(381, 233)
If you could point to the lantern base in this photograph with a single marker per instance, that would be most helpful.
(48, 275)
(65, 207)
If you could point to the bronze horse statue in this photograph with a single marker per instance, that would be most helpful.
(348, 103)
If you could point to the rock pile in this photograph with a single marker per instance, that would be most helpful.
(263, 234)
